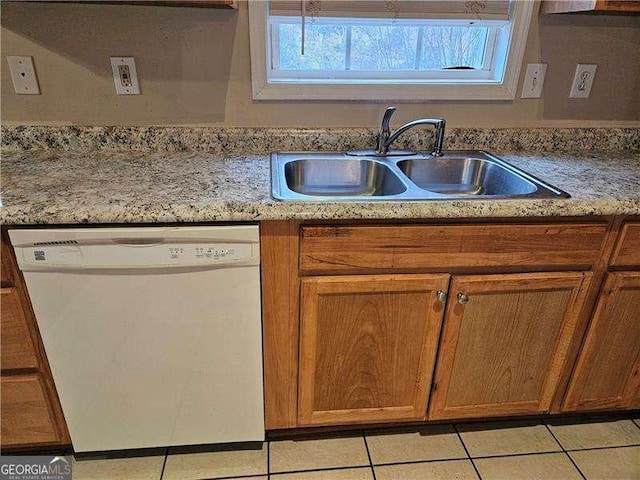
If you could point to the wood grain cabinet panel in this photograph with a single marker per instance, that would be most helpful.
(627, 252)
(26, 416)
(607, 375)
(418, 248)
(17, 348)
(504, 343)
(6, 275)
(368, 346)
(280, 322)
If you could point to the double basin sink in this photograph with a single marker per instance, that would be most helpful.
(318, 176)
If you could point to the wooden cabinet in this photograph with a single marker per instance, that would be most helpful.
(596, 6)
(368, 347)
(504, 343)
(30, 412)
(351, 318)
(607, 375)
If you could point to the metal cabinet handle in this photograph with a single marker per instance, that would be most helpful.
(441, 296)
(463, 298)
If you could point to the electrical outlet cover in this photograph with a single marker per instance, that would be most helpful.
(583, 80)
(125, 75)
(25, 81)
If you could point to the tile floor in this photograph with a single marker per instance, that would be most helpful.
(588, 448)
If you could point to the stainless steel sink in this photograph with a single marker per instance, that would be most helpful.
(466, 176)
(341, 177)
(334, 176)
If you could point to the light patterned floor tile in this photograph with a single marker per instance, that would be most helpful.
(261, 477)
(132, 468)
(507, 438)
(576, 436)
(224, 463)
(447, 470)
(363, 473)
(294, 455)
(619, 463)
(546, 466)
(438, 442)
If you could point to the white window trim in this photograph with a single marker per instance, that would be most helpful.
(402, 91)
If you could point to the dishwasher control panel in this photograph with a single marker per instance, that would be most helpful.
(208, 252)
(121, 254)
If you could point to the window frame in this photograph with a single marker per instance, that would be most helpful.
(410, 90)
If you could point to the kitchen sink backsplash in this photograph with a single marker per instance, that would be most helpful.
(237, 141)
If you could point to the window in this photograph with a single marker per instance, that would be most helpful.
(416, 52)
(383, 50)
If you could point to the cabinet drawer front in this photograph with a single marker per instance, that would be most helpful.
(413, 248)
(17, 348)
(627, 252)
(26, 417)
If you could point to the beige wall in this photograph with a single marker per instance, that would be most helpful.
(194, 69)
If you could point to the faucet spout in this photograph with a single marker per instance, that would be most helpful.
(438, 138)
(386, 138)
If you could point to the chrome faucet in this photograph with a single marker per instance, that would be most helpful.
(386, 138)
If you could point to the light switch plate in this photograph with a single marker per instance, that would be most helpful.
(533, 80)
(125, 75)
(23, 75)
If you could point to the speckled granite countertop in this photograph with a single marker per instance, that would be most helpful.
(67, 187)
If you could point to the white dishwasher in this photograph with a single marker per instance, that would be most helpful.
(153, 334)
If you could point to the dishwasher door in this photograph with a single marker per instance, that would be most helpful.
(153, 334)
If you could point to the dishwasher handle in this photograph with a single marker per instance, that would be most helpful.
(138, 242)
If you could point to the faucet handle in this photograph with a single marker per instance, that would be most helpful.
(386, 118)
(385, 129)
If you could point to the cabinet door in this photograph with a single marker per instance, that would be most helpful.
(26, 417)
(607, 374)
(504, 343)
(17, 350)
(368, 346)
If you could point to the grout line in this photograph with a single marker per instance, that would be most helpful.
(455, 427)
(565, 452)
(164, 463)
(435, 460)
(507, 455)
(366, 445)
(268, 442)
(323, 469)
(554, 436)
(248, 475)
(632, 419)
(602, 448)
